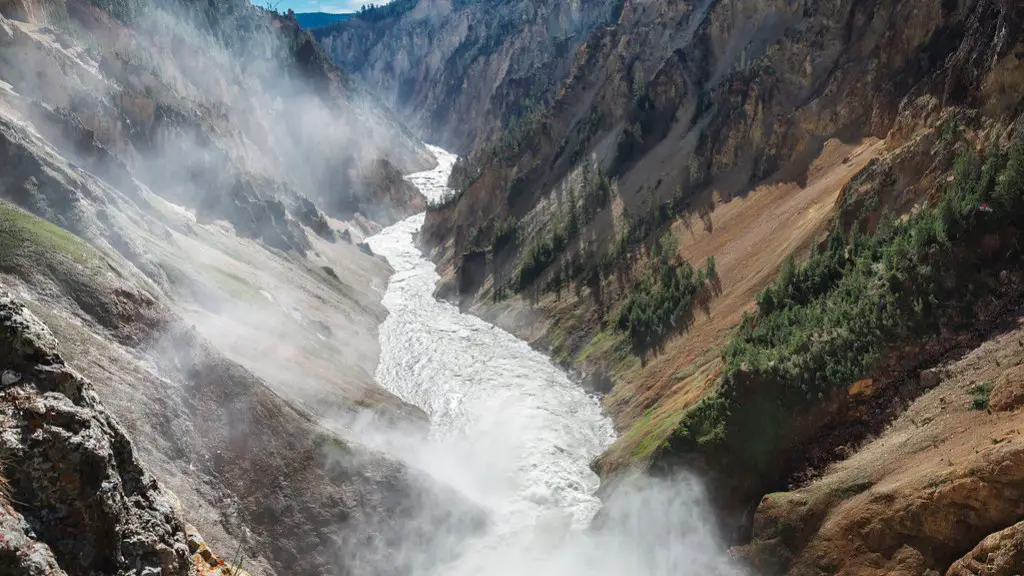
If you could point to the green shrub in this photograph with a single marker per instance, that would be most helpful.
(587, 129)
(979, 394)
(540, 255)
(636, 230)
(506, 231)
(795, 287)
(446, 200)
(26, 239)
(378, 12)
(548, 246)
(661, 302)
(824, 323)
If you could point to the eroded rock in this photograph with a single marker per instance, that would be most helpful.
(84, 501)
(1008, 393)
(930, 379)
(1000, 554)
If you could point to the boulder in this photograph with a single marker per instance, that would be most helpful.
(22, 555)
(930, 378)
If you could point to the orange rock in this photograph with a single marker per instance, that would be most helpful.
(1000, 554)
(861, 387)
(1008, 393)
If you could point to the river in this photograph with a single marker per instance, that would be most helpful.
(514, 434)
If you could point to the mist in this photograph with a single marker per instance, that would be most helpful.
(513, 434)
(248, 178)
(225, 174)
(653, 526)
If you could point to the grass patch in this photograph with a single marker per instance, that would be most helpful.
(232, 285)
(27, 239)
(175, 275)
(206, 283)
(611, 346)
(979, 394)
(651, 431)
(559, 343)
(600, 343)
(701, 361)
(685, 372)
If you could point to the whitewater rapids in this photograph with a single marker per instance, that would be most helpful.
(512, 433)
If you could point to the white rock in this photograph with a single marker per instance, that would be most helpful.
(9, 377)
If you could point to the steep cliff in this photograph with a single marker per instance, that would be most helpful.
(194, 98)
(460, 71)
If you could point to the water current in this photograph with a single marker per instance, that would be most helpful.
(514, 434)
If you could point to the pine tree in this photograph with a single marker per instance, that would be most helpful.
(1011, 185)
(574, 221)
(710, 268)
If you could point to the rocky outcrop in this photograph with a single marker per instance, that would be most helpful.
(942, 478)
(391, 197)
(908, 528)
(1008, 392)
(999, 554)
(22, 554)
(79, 496)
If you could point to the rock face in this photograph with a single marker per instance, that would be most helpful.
(22, 554)
(1000, 554)
(943, 478)
(79, 497)
(390, 197)
(460, 71)
(722, 96)
(231, 111)
(711, 121)
(1008, 392)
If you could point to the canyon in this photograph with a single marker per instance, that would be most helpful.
(714, 287)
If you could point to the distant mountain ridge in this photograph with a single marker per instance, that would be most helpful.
(310, 20)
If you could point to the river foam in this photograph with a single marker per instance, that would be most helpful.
(522, 432)
(514, 434)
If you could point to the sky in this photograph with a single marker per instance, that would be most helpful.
(314, 5)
